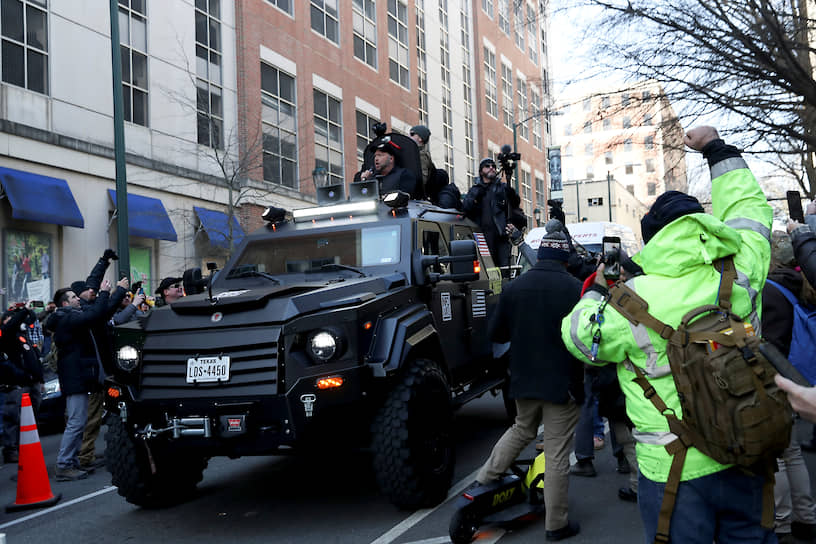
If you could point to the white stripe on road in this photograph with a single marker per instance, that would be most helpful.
(102, 491)
(419, 515)
(489, 536)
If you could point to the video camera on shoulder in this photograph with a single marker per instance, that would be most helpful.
(507, 158)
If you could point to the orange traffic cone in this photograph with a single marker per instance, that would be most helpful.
(33, 489)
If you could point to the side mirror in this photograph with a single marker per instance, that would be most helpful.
(464, 261)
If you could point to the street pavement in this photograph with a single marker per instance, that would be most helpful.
(324, 498)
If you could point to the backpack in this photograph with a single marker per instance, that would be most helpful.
(803, 339)
(732, 410)
(51, 358)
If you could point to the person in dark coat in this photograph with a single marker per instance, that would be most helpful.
(390, 176)
(545, 380)
(494, 206)
(442, 192)
(22, 362)
(79, 367)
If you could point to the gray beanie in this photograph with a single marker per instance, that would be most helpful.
(421, 131)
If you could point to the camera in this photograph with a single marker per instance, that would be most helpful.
(379, 129)
(507, 157)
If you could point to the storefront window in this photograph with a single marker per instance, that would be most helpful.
(140, 268)
(27, 267)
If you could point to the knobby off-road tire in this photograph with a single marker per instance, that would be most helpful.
(127, 460)
(412, 438)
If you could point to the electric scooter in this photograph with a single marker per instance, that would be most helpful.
(514, 497)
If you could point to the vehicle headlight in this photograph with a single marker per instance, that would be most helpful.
(52, 389)
(127, 358)
(324, 345)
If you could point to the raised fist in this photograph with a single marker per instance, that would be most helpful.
(110, 255)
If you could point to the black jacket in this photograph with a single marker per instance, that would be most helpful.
(398, 179)
(77, 361)
(22, 360)
(804, 249)
(492, 206)
(102, 331)
(529, 315)
(777, 312)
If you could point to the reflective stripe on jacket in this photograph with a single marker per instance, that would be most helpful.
(678, 276)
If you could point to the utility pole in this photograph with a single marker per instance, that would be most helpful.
(609, 192)
(122, 233)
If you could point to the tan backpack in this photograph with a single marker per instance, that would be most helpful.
(732, 409)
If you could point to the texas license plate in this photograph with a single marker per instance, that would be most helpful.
(208, 369)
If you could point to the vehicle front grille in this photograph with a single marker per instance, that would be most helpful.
(254, 363)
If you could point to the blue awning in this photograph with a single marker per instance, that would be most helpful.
(216, 225)
(147, 217)
(40, 198)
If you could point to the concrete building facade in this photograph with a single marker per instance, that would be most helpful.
(630, 136)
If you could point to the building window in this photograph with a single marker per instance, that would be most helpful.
(647, 95)
(133, 48)
(568, 129)
(487, 7)
(595, 201)
(490, 82)
(541, 195)
(631, 189)
(647, 119)
(625, 99)
(209, 95)
(325, 20)
(364, 24)
(519, 23)
(447, 95)
(328, 123)
(608, 157)
(283, 5)
(587, 127)
(532, 46)
(604, 101)
(507, 95)
(365, 134)
(651, 189)
(526, 194)
(588, 149)
(422, 68)
(467, 90)
(629, 168)
(535, 97)
(521, 90)
(627, 121)
(648, 142)
(398, 42)
(25, 44)
(503, 10)
(607, 124)
(627, 144)
(279, 123)
(590, 172)
(650, 165)
(587, 104)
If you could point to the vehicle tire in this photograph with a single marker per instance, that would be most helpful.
(127, 460)
(462, 527)
(412, 438)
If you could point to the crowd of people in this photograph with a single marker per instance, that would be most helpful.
(73, 333)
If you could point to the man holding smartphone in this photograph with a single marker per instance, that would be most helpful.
(714, 502)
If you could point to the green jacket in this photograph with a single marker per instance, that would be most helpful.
(678, 276)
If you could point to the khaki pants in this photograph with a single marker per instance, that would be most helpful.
(559, 421)
(624, 438)
(87, 453)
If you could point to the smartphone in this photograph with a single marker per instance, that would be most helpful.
(795, 206)
(140, 291)
(611, 257)
(37, 304)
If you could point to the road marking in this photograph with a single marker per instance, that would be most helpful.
(419, 515)
(89, 496)
(489, 536)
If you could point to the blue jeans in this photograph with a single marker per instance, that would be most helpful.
(725, 507)
(584, 431)
(76, 408)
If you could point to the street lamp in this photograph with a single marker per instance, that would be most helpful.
(319, 176)
(537, 216)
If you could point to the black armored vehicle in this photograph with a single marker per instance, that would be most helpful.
(362, 322)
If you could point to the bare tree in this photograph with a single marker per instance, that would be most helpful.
(745, 61)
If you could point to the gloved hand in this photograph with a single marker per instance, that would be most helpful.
(110, 254)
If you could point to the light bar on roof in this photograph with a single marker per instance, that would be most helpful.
(361, 207)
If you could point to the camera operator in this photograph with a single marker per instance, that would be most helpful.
(577, 265)
(494, 206)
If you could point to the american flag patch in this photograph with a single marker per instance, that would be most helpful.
(479, 303)
(484, 251)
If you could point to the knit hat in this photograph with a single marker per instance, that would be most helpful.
(781, 249)
(486, 160)
(554, 225)
(554, 247)
(668, 207)
(79, 287)
(421, 131)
